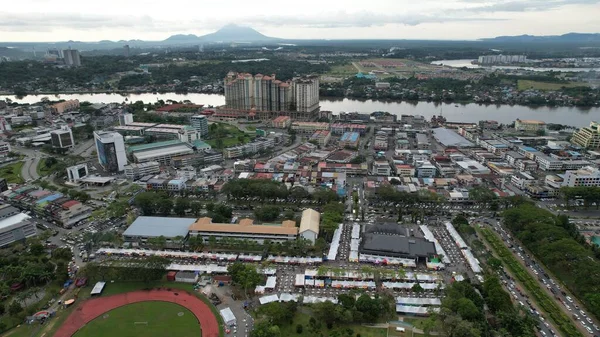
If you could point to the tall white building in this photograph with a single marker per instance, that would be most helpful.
(72, 58)
(62, 138)
(200, 124)
(125, 119)
(110, 149)
(306, 93)
(77, 172)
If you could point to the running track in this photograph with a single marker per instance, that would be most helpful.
(93, 308)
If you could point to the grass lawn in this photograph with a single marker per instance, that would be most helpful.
(147, 319)
(12, 173)
(42, 169)
(416, 322)
(526, 84)
(303, 318)
(251, 128)
(342, 70)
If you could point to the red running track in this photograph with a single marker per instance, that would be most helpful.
(93, 308)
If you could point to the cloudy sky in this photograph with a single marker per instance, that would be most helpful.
(61, 20)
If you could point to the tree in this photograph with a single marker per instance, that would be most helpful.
(299, 329)
(196, 208)
(14, 308)
(244, 275)
(165, 206)
(181, 205)
(265, 329)
(267, 213)
(145, 201)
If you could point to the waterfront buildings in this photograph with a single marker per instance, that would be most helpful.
(66, 106)
(309, 127)
(264, 94)
(588, 137)
(501, 59)
(282, 122)
(110, 149)
(530, 125)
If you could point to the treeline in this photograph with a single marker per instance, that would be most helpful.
(151, 203)
(588, 196)
(556, 243)
(467, 311)
(274, 191)
(151, 268)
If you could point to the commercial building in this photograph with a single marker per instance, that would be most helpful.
(309, 127)
(529, 125)
(4, 149)
(244, 230)
(472, 167)
(149, 227)
(340, 128)
(588, 137)
(184, 133)
(449, 138)
(14, 226)
(587, 176)
(522, 179)
(259, 144)
(125, 119)
(381, 168)
(403, 170)
(392, 240)
(309, 225)
(66, 106)
(161, 152)
(136, 171)
(321, 137)
(110, 149)
(547, 163)
(62, 139)
(282, 122)
(77, 172)
(350, 139)
(200, 124)
(3, 185)
(72, 57)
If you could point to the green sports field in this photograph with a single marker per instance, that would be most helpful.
(147, 319)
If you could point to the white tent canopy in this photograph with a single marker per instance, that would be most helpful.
(228, 316)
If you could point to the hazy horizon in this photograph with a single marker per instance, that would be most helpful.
(52, 21)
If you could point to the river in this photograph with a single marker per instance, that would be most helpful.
(467, 63)
(453, 112)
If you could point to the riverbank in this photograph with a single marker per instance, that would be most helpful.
(471, 112)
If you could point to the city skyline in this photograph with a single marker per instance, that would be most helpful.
(45, 21)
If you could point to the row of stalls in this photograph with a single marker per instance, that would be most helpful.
(410, 285)
(354, 243)
(294, 259)
(439, 250)
(335, 244)
(464, 249)
(180, 255)
(386, 260)
(269, 285)
(417, 306)
(287, 297)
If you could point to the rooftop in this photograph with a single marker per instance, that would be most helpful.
(310, 221)
(153, 145)
(13, 220)
(171, 150)
(150, 226)
(244, 226)
(450, 138)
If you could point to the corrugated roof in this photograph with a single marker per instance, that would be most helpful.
(150, 226)
(310, 221)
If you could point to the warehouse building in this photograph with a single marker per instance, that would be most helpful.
(148, 227)
(14, 225)
(245, 230)
(309, 225)
(392, 240)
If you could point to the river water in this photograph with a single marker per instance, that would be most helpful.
(467, 63)
(453, 112)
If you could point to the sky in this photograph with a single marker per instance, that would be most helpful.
(82, 20)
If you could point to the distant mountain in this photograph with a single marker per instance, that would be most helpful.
(229, 33)
(565, 38)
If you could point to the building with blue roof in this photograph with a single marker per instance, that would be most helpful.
(350, 139)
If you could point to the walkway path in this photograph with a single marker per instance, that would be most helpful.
(93, 308)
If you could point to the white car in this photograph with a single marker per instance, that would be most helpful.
(569, 299)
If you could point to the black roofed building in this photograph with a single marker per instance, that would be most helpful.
(395, 240)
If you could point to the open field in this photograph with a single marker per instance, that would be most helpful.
(547, 86)
(342, 70)
(12, 173)
(144, 319)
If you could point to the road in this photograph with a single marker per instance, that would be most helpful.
(568, 303)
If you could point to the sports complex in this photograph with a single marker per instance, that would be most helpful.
(149, 313)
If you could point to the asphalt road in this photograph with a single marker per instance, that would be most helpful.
(569, 304)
